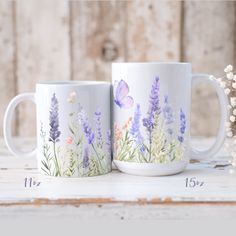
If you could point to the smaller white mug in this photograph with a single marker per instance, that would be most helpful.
(151, 114)
(73, 127)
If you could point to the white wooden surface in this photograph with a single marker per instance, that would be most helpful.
(117, 195)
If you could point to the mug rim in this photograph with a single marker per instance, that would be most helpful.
(72, 83)
(152, 63)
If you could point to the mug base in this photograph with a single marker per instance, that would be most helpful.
(150, 169)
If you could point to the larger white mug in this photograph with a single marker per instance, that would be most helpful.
(73, 128)
(151, 114)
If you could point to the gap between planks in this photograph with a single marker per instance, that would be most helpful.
(100, 201)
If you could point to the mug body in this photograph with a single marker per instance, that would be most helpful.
(73, 128)
(151, 112)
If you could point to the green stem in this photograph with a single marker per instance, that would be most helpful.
(122, 147)
(123, 152)
(56, 161)
(144, 158)
(150, 146)
(97, 157)
(47, 159)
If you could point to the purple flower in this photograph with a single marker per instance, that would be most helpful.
(168, 115)
(135, 131)
(54, 132)
(86, 158)
(154, 106)
(98, 127)
(86, 127)
(108, 142)
(182, 126)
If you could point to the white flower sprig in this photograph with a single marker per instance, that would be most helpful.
(228, 83)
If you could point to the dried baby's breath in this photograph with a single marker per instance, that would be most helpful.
(228, 83)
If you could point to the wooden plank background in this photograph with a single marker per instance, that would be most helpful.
(78, 40)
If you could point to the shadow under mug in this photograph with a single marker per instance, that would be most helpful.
(151, 115)
(73, 127)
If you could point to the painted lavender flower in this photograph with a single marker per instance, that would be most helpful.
(182, 126)
(108, 142)
(86, 158)
(54, 132)
(154, 109)
(86, 127)
(83, 119)
(168, 115)
(81, 149)
(154, 106)
(135, 129)
(98, 127)
(162, 144)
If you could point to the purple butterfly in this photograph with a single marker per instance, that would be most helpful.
(121, 95)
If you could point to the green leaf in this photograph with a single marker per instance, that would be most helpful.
(71, 130)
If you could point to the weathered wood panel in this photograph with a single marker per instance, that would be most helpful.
(43, 50)
(208, 42)
(98, 38)
(7, 63)
(79, 39)
(153, 30)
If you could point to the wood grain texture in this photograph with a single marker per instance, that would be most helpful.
(116, 187)
(153, 30)
(208, 42)
(7, 57)
(117, 211)
(117, 195)
(51, 40)
(98, 38)
(43, 50)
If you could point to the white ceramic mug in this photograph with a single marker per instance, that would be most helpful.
(151, 114)
(73, 128)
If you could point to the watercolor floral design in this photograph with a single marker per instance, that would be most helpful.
(84, 152)
(159, 144)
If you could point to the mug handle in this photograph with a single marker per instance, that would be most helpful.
(223, 100)
(7, 131)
